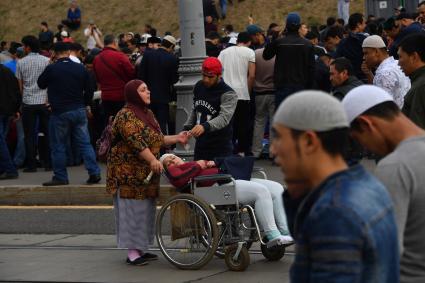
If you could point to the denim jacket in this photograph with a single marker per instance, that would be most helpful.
(345, 231)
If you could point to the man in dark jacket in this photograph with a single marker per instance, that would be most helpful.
(69, 92)
(10, 100)
(211, 119)
(351, 47)
(158, 70)
(412, 62)
(294, 68)
(113, 70)
(342, 78)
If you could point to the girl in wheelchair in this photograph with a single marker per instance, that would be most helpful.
(266, 195)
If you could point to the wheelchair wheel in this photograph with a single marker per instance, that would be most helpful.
(186, 231)
(241, 263)
(273, 253)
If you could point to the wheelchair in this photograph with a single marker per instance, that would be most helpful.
(193, 226)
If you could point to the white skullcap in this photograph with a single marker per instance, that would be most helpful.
(165, 156)
(362, 98)
(311, 110)
(374, 41)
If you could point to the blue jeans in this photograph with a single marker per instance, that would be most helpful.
(61, 126)
(19, 156)
(6, 163)
(223, 6)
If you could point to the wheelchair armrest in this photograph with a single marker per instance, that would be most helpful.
(216, 177)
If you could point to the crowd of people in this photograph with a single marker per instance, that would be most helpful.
(321, 96)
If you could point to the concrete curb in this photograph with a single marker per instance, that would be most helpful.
(63, 195)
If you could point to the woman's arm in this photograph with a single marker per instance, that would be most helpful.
(154, 163)
(182, 138)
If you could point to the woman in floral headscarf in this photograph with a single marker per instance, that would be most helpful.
(133, 172)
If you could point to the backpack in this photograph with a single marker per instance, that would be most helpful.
(104, 143)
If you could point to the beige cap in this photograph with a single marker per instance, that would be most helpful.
(170, 39)
(311, 110)
(374, 41)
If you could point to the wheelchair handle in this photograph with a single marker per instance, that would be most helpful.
(216, 177)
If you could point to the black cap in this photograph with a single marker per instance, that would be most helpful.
(405, 16)
(61, 46)
(154, 39)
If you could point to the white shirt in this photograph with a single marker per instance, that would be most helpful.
(235, 61)
(390, 77)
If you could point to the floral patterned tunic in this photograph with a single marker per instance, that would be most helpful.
(124, 169)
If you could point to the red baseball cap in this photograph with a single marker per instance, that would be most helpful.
(212, 67)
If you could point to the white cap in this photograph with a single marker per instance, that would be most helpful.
(311, 110)
(362, 98)
(374, 41)
(145, 38)
(170, 39)
(165, 156)
(64, 33)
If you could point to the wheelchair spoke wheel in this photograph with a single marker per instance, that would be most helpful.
(186, 231)
(241, 262)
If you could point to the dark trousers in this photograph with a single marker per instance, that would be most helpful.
(283, 92)
(111, 108)
(242, 126)
(30, 115)
(161, 112)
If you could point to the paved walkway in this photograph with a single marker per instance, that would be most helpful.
(93, 258)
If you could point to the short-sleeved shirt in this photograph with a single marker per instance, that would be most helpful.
(390, 77)
(402, 173)
(28, 69)
(235, 61)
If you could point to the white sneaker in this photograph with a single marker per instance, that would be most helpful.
(280, 240)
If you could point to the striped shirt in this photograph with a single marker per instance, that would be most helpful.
(28, 70)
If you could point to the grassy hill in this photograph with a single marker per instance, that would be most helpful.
(21, 17)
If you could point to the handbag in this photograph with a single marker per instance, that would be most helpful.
(240, 168)
(104, 143)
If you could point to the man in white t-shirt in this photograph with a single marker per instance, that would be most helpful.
(239, 73)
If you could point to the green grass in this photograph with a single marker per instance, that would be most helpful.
(22, 17)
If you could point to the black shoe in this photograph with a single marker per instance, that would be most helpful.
(149, 256)
(93, 179)
(138, 261)
(8, 176)
(55, 182)
(30, 170)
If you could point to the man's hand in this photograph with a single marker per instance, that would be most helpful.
(197, 131)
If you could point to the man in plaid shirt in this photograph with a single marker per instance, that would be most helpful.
(34, 102)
